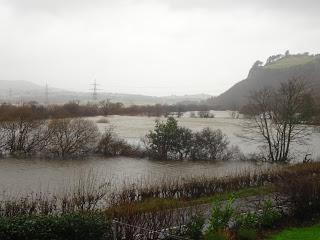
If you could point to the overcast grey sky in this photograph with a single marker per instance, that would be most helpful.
(154, 47)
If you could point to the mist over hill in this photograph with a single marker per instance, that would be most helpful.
(25, 91)
(277, 69)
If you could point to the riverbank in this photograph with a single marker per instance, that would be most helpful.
(173, 204)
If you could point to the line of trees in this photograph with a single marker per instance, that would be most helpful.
(74, 109)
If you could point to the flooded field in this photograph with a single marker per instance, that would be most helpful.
(27, 175)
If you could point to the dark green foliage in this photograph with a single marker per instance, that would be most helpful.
(170, 141)
(269, 216)
(194, 228)
(221, 215)
(209, 145)
(247, 220)
(82, 226)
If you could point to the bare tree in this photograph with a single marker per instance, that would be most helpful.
(72, 137)
(22, 133)
(278, 117)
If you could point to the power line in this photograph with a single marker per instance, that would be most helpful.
(95, 90)
(46, 94)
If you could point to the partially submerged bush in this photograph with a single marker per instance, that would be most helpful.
(22, 133)
(205, 114)
(110, 145)
(72, 137)
(209, 145)
(103, 120)
(170, 141)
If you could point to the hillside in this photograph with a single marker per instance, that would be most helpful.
(277, 69)
(17, 91)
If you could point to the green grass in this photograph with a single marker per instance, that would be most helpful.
(293, 60)
(307, 233)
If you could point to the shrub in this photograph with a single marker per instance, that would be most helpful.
(22, 133)
(102, 120)
(110, 145)
(247, 220)
(221, 215)
(269, 215)
(303, 193)
(205, 114)
(82, 226)
(194, 228)
(209, 145)
(72, 137)
(170, 141)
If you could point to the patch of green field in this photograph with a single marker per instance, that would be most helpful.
(290, 61)
(307, 233)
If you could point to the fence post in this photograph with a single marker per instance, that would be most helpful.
(114, 230)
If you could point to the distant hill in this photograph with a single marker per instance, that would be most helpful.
(278, 68)
(17, 91)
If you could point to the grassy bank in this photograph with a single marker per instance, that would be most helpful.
(158, 204)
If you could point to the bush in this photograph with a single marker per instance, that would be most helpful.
(83, 226)
(170, 141)
(209, 145)
(72, 137)
(221, 216)
(247, 220)
(205, 114)
(103, 120)
(110, 146)
(269, 215)
(303, 193)
(194, 228)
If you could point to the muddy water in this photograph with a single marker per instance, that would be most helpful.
(24, 176)
(27, 175)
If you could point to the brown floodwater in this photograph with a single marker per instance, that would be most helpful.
(34, 175)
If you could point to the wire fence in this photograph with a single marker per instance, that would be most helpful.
(143, 233)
